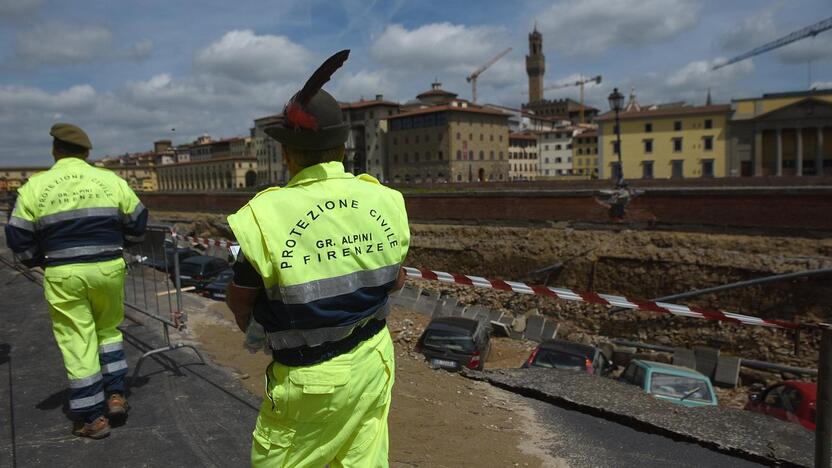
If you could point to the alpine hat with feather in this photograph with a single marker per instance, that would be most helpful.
(312, 118)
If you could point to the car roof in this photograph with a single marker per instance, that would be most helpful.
(454, 322)
(670, 369)
(200, 259)
(567, 346)
(809, 389)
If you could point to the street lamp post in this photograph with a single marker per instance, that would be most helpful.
(616, 100)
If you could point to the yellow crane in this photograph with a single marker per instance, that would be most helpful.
(472, 78)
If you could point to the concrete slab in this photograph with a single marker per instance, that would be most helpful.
(534, 327)
(727, 371)
(684, 357)
(550, 330)
(706, 360)
(729, 430)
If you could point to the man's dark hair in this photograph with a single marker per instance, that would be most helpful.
(305, 158)
(63, 148)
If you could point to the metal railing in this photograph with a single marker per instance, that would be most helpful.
(153, 288)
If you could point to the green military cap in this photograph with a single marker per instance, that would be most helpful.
(70, 134)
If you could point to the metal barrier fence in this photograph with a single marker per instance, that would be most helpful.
(153, 287)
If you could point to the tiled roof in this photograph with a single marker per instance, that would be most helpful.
(447, 107)
(370, 103)
(646, 113)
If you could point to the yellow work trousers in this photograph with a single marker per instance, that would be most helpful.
(331, 413)
(86, 303)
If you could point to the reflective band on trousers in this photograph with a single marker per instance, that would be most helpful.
(76, 214)
(288, 339)
(110, 347)
(330, 287)
(83, 250)
(21, 223)
(28, 254)
(81, 403)
(85, 382)
(114, 367)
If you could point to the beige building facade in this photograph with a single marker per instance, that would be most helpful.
(782, 134)
(12, 178)
(585, 154)
(453, 142)
(270, 167)
(366, 144)
(523, 156)
(212, 174)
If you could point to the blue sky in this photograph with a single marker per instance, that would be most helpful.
(128, 71)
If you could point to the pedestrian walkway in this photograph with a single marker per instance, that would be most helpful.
(201, 417)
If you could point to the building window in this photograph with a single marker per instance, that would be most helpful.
(459, 178)
(501, 155)
(546, 147)
(709, 123)
(501, 139)
(580, 151)
(470, 137)
(648, 128)
(457, 136)
(439, 156)
(648, 146)
(482, 155)
(546, 160)
(615, 147)
(647, 169)
(677, 145)
(492, 155)
(416, 157)
(482, 137)
(677, 125)
(708, 143)
(458, 153)
(707, 168)
(678, 168)
(558, 160)
(491, 137)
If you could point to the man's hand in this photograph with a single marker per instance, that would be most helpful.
(241, 301)
(399, 281)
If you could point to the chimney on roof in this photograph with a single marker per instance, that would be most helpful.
(379, 97)
(436, 85)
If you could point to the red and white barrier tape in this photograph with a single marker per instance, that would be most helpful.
(597, 298)
(565, 294)
(209, 242)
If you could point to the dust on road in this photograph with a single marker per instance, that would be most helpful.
(437, 419)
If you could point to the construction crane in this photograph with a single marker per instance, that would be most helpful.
(472, 78)
(808, 31)
(581, 82)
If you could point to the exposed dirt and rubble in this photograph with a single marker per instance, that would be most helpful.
(640, 263)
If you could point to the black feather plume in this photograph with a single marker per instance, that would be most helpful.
(321, 76)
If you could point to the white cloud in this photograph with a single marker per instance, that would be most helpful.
(700, 74)
(437, 46)
(70, 44)
(246, 57)
(363, 84)
(822, 85)
(593, 26)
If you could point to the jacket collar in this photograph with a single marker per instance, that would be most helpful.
(322, 171)
(69, 161)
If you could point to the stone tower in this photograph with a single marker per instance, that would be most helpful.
(535, 66)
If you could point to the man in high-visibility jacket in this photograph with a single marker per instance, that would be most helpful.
(318, 260)
(74, 220)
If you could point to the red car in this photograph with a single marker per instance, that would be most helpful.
(791, 400)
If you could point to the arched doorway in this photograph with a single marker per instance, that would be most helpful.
(481, 175)
(251, 178)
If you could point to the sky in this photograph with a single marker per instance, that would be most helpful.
(132, 72)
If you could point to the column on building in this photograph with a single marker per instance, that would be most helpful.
(799, 156)
(819, 153)
(758, 152)
(779, 160)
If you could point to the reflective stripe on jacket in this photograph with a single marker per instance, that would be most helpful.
(328, 247)
(74, 213)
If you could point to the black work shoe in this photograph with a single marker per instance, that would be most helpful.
(98, 429)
